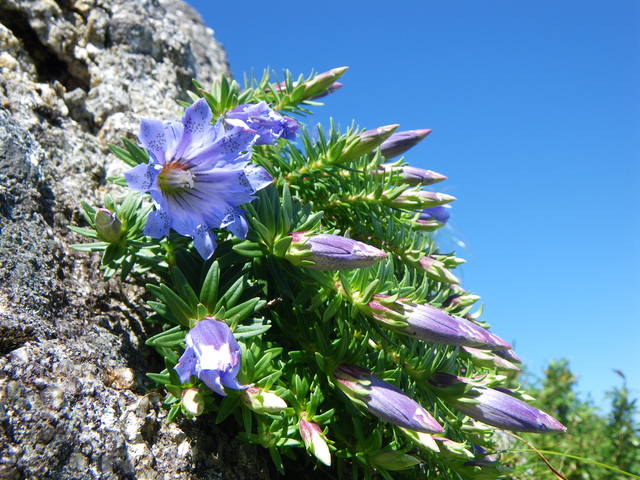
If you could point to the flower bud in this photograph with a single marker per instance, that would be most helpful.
(331, 252)
(314, 440)
(367, 141)
(509, 355)
(436, 270)
(400, 142)
(108, 226)
(192, 401)
(431, 324)
(455, 448)
(486, 359)
(415, 198)
(494, 407)
(411, 175)
(384, 400)
(423, 439)
(262, 401)
(332, 88)
(322, 82)
(390, 460)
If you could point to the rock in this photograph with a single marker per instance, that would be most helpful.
(74, 403)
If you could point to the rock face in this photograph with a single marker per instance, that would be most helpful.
(76, 75)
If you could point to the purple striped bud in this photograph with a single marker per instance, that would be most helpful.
(108, 226)
(415, 198)
(332, 88)
(509, 355)
(314, 439)
(331, 252)
(436, 270)
(431, 324)
(367, 141)
(496, 408)
(384, 400)
(411, 175)
(400, 142)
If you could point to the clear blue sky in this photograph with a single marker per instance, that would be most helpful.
(535, 111)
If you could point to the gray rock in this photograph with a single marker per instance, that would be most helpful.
(76, 75)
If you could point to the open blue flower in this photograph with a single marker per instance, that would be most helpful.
(213, 355)
(269, 124)
(198, 176)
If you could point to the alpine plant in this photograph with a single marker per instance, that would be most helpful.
(295, 288)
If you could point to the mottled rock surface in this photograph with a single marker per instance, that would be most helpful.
(74, 76)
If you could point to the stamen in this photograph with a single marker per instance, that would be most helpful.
(175, 177)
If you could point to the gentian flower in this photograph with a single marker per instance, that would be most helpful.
(440, 213)
(198, 175)
(212, 355)
(411, 175)
(384, 400)
(314, 440)
(495, 407)
(269, 124)
(331, 252)
(431, 324)
(400, 142)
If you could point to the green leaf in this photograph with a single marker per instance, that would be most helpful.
(175, 409)
(169, 338)
(160, 378)
(176, 305)
(248, 249)
(209, 290)
(240, 312)
(137, 154)
(227, 406)
(183, 288)
(85, 232)
(89, 247)
(123, 155)
(231, 295)
(281, 246)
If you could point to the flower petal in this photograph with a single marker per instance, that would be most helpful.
(141, 177)
(186, 365)
(258, 177)
(211, 378)
(157, 224)
(204, 241)
(152, 137)
(236, 223)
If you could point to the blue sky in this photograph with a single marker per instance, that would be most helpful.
(535, 111)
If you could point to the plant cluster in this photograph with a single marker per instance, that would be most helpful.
(297, 288)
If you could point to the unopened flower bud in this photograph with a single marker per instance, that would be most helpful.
(390, 460)
(367, 141)
(332, 88)
(415, 198)
(192, 401)
(321, 83)
(411, 175)
(495, 407)
(108, 226)
(262, 401)
(314, 440)
(384, 400)
(331, 252)
(509, 355)
(423, 439)
(400, 142)
(436, 270)
(484, 358)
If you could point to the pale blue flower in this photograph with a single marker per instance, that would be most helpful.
(268, 123)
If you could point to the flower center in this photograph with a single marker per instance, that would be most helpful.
(175, 177)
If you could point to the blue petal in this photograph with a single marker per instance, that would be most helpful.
(258, 177)
(186, 365)
(157, 224)
(174, 133)
(236, 223)
(152, 137)
(229, 380)
(141, 177)
(225, 149)
(204, 241)
(198, 131)
(211, 378)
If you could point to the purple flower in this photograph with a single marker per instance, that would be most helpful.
(384, 400)
(331, 252)
(400, 142)
(212, 355)
(432, 324)
(198, 175)
(269, 124)
(509, 355)
(440, 213)
(497, 408)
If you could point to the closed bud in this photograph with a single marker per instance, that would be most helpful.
(411, 175)
(366, 142)
(108, 226)
(509, 355)
(422, 439)
(331, 252)
(495, 407)
(314, 440)
(192, 401)
(431, 324)
(390, 460)
(432, 218)
(436, 270)
(332, 88)
(262, 401)
(400, 142)
(484, 358)
(415, 198)
(322, 82)
(384, 400)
